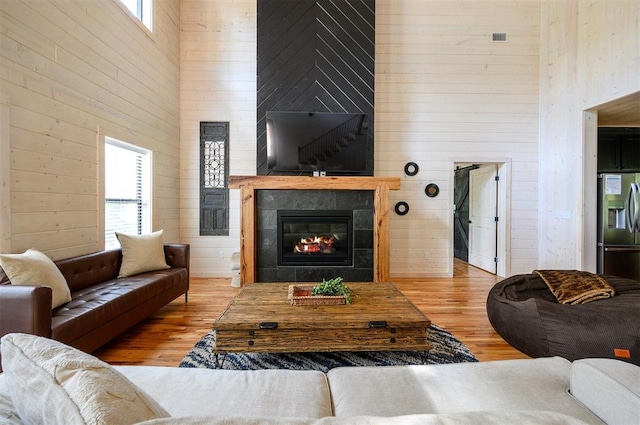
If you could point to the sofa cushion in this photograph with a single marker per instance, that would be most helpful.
(270, 393)
(50, 382)
(104, 302)
(502, 386)
(87, 270)
(609, 388)
(467, 418)
(230, 420)
(35, 268)
(141, 253)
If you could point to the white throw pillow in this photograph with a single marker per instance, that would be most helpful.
(141, 253)
(35, 268)
(50, 382)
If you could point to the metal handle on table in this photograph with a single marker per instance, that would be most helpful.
(268, 325)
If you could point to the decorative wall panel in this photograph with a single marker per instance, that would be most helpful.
(214, 171)
(315, 56)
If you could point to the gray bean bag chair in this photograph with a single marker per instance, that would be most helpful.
(527, 315)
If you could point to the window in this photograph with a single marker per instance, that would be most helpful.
(127, 190)
(214, 173)
(141, 9)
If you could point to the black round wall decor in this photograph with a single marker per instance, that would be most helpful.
(431, 190)
(411, 169)
(402, 208)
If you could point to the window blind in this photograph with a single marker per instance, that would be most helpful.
(126, 194)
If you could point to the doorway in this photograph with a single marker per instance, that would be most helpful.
(480, 214)
(621, 112)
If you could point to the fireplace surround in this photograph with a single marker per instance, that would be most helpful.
(251, 186)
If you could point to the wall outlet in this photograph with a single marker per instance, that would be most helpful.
(562, 215)
(220, 254)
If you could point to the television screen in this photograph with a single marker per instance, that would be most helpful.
(337, 143)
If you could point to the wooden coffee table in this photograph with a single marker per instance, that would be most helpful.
(261, 319)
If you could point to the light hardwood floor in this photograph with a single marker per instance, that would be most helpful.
(456, 304)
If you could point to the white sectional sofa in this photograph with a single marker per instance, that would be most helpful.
(544, 390)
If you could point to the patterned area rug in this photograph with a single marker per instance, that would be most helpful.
(445, 348)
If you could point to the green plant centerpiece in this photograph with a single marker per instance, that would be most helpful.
(333, 287)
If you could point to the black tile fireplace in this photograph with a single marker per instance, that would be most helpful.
(315, 238)
(284, 218)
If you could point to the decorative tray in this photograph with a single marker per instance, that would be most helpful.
(302, 295)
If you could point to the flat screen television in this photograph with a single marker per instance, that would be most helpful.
(304, 142)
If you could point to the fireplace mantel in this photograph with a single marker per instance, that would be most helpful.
(249, 184)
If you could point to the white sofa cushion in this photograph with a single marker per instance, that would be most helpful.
(609, 388)
(498, 386)
(230, 420)
(35, 268)
(50, 382)
(467, 418)
(208, 392)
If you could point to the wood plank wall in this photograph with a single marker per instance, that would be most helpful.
(73, 72)
(443, 91)
(591, 55)
(446, 93)
(218, 83)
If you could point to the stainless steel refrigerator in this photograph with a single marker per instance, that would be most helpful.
(619, 224)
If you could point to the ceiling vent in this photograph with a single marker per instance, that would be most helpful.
(499, 37)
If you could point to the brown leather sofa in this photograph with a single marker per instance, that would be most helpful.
(102, 305)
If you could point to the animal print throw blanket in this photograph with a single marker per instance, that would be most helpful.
(576, 287)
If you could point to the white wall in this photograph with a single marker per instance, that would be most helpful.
(444, 93)
(218, 83)
(72, 72)
(5, 179)
(590, 54)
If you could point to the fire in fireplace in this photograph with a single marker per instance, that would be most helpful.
(315, 238)
(320, 244)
